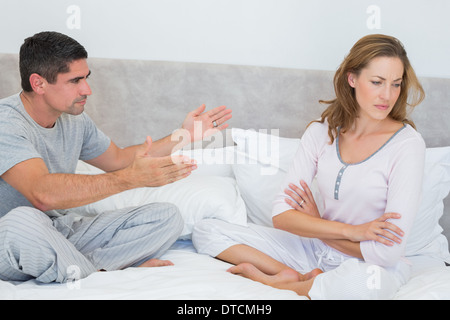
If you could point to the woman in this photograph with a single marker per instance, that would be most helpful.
(368, 161)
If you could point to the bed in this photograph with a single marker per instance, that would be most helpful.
(271, 107)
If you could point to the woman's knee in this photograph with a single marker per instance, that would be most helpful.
(203, 232)
(213, 236)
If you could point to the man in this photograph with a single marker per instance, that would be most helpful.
(43, 133)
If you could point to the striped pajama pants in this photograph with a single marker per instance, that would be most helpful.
(32, 245)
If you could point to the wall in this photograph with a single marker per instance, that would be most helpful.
(310, 34)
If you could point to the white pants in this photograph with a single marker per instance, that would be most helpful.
(35, 246)
(344, 277)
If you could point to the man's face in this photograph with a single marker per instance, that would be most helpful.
(70, 91)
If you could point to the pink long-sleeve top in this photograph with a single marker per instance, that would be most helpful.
(390, 180)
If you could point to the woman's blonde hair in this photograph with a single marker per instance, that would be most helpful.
(342, 111)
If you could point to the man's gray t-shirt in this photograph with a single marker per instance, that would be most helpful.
(21, 138)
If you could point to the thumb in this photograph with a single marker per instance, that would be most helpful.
(147, 146)
(199, 110)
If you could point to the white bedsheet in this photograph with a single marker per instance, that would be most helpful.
(429, 284)
(192, 277)
(195, 277)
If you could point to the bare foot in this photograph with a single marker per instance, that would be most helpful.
(312, 274)
(249, 271)
(155, 263)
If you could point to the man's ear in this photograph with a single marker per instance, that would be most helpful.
(38, 83)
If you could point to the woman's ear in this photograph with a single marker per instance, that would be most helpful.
(37, 83)
(351, 78)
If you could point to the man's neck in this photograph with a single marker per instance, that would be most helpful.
(38, 111)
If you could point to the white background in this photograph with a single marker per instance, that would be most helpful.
(309, 34)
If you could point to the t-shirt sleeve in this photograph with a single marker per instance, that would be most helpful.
(15, 146)
(304, 164)
(403, 197)
(95, 142)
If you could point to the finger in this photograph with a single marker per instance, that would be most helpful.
(223, 115)
(389, 215)
(293, 204)
(177, 160)
(220, 120)
(176, 173)
(223, 126)
(393, 228)
(382, 230)
(180, 174)
(171, 173)
(390, 236)
(199, 110)
(187, 165)
(294, 196)
(218, 112)
(307, 190)
(170, 180)
(384, 241)
(299, 191)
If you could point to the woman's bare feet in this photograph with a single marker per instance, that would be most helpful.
(249, 271)
(155, 263)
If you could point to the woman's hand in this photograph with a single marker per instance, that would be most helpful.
(302, 199)
(380, 230)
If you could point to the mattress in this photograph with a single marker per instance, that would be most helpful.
(195, 277)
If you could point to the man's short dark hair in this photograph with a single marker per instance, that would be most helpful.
(48, 54)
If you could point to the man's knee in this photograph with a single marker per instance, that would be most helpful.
(20, 220)
(173, 213)
(166, 214)
(22, 233)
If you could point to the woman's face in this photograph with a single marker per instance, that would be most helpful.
(378, 87)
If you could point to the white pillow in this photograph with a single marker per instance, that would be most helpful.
(262, 162)
(258, 189)
(426, 235)
(197, 197)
